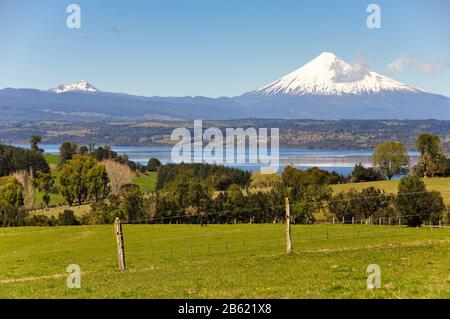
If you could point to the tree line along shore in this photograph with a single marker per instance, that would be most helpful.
(107, 185)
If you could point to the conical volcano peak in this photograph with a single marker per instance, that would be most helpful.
(327, 74)
(326, 57)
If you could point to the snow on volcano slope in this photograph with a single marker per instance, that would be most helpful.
(81, 86)
(329, 75)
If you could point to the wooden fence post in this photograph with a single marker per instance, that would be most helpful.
(288, 227)
(120, 244)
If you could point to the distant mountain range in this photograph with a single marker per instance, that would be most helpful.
(325, 88)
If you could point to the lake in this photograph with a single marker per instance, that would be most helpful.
(340, 161)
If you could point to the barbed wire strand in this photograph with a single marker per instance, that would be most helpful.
(325, 202)
(330, 236)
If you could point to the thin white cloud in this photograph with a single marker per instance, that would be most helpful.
(357, 71)
(434, 67)
(403, 63)
(400, 64)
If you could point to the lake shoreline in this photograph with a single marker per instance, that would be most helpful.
(340, 161)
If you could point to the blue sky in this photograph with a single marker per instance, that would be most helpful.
(216, 47)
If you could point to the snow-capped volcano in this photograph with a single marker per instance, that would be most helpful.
(329, 75)
(81, 86)
(330, 88)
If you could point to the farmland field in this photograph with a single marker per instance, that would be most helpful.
(440, 184)
(225, 261)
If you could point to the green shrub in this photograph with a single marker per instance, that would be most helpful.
(67, 218)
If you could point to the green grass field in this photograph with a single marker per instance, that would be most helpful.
(146, 182)
(174, 261)
(52, 159)
(227, 261)
(55, 199)
(440, 184)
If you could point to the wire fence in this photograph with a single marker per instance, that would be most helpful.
(169, 250)
(299, 236)
(273, 238)
(188, 242)
(191, 218)
(226, 246)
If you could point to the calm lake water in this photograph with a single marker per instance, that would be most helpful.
(340, 161)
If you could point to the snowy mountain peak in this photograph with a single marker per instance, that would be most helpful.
(81, 86)
(325, 58)
(327, 74)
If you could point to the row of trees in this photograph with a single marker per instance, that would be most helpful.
(391, 158)
(413, 204)
(83, 178)
(309, 192)
(218, 176)
(66, 218)
(68, 150)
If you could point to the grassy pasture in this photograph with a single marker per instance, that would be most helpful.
(146, 182)
(173, 261)
(440, 184)
(52, 159)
